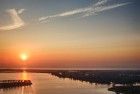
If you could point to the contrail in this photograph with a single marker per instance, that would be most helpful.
(87, 11)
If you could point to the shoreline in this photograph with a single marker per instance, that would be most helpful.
(34, 70)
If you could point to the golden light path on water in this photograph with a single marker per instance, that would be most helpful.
(27, 89)
(24, 75)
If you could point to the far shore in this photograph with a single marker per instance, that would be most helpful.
(40, 70)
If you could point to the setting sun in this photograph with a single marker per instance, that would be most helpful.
(23, 56)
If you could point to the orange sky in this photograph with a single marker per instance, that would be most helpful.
(70, 34)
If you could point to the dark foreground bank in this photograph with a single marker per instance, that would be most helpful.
(125, 89)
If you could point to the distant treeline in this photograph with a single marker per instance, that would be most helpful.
(102, 76)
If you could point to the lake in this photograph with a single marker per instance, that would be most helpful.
(44, 83)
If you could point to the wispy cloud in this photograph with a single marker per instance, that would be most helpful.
(101, 2)
(20, 11)
(17, 21)
(96, 8)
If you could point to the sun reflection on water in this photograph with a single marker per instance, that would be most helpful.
(24, 75)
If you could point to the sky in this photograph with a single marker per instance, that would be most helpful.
(70, 33)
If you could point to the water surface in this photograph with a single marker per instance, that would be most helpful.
(44, 83)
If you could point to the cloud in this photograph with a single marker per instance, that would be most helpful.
(87, 11)
(20, 11)
(101, 2)
(17, 21)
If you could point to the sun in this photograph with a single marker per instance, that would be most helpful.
(23, 56)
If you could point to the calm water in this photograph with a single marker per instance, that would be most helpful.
(44, 83)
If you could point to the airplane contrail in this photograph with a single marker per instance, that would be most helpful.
(87, 11)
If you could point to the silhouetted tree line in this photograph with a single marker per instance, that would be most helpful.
(102, 77)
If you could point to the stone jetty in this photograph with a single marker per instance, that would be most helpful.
(14, 83)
